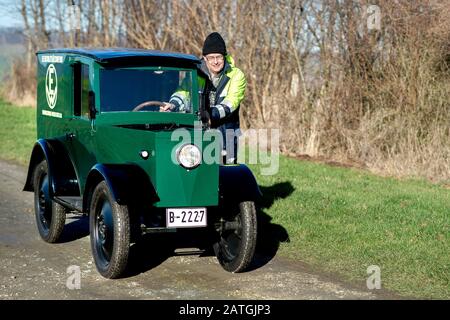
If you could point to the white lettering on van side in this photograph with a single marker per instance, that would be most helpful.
(52, 59)
(52, 114)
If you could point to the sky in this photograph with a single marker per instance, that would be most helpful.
(9, 15)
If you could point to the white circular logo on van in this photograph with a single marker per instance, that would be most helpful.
(51, 86)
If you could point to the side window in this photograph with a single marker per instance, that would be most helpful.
(81, 90)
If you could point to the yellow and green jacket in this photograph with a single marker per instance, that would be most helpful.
(224, 100)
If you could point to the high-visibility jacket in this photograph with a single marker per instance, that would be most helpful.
(181, 99)
(227, 96)
(225, 99)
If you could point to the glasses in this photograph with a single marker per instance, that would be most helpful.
(216, 58)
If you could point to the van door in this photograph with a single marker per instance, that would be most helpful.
(80, 130)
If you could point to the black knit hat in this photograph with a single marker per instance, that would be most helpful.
(214, 43)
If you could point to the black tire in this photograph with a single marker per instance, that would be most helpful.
(50, 216)
(109, 226)
(235, 247)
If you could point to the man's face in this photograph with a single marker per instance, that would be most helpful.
(215, 62)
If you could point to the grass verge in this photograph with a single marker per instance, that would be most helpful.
(338, 220)
(344, 220)
(17, 132)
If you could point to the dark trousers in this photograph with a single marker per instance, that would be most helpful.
(230, 135)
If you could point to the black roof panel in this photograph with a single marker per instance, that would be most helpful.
(104, 55)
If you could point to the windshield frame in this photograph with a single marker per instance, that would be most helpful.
(129, 117)
(194, 101)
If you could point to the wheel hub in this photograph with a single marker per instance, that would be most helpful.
(230, 234)
(43, 202)
(102, 229)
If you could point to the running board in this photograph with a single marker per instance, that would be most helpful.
(73, 203)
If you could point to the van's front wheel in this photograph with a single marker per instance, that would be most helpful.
(235, 246)
(109, 226)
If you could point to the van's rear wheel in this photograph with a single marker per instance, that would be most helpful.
(236, 242)
(109, 226)
(50, 216)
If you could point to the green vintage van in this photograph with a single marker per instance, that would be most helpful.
(105, 148)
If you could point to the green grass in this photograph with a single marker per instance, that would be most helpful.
(338, 220)
(343, 220)
(17, 132)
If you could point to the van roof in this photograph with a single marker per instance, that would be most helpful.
(105, 55)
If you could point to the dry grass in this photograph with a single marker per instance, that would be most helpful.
(20, 85)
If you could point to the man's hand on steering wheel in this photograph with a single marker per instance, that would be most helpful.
(166, 107)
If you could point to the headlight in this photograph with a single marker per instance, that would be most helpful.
(189, 156)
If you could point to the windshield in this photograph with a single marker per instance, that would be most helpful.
(146, 90)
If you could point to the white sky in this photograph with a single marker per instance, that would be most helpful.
(9, 14)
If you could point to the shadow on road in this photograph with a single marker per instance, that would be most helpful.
(148, 253)
(270, 235)
(153, 249)
(76, 227)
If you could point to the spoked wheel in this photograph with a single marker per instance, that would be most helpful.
(236, 242)
(110, 232)
(50, 216)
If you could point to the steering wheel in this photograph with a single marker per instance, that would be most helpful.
(148, 103)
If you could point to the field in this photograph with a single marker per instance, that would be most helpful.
(17, 132)
(338, 220)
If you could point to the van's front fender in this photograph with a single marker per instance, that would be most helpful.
(237, 184)
(61, 173)
(128, 184)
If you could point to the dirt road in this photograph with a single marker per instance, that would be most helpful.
(33, 269)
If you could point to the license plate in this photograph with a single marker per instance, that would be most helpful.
(186, 217)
